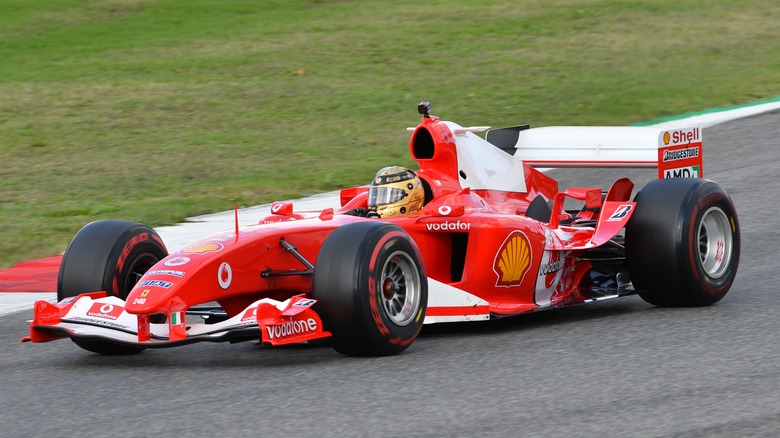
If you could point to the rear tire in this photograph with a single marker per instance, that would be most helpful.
(108, 256)
(371, 288)
(683, 242)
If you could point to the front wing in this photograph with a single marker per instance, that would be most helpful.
(94, 317)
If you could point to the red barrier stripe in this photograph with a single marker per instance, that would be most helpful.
(32, 276)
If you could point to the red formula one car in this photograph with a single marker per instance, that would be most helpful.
(492, 239)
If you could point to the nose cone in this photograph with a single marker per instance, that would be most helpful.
(150, 296)
(155, 291)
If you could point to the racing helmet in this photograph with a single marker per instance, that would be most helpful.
(395, 190)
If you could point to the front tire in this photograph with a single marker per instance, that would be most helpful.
(371, 288)
(108, 256)
(683, 242)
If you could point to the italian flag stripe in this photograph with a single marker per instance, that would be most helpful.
(176, 318)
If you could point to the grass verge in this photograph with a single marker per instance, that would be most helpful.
(154, 110)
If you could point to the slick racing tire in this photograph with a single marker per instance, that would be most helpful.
(683, 242)
(111, 256)
(371, 288)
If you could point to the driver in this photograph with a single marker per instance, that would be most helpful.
(394, 190)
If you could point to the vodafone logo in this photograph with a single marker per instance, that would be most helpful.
(550, 270)
(105, 311)
(276, 208)
(291, 328)
(224, 275)
(445, 210)
(448, 226)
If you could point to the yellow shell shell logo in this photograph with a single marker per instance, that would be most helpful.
(667, 137)
(200, 248)
(513, 260)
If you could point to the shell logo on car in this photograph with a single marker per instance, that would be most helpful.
(202, 248)
(681, 136)
(513, 260)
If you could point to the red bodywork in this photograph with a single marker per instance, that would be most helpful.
(483, 256)
(229, 269)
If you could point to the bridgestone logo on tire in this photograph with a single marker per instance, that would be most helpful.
(291, 328)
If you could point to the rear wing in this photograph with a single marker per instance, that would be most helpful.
(676, 153)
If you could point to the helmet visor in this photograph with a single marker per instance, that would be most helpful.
(384, 195)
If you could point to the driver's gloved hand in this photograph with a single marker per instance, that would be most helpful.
(362, 212)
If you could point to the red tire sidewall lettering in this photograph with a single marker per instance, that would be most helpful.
(712, 198)
(386, 245)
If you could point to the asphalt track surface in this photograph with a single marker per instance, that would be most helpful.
(618, 368)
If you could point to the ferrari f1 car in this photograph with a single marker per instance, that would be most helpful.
(492, 239)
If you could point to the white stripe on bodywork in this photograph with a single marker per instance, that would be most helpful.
(444, 295)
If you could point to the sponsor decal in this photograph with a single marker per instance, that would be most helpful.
(145, 292)
(102, 322)
(291, 328)
(448, 226)
(304, 303)
(67, 300)
(177, 318)
(203, 248)
(550, 270)
(681, 136)
(681, 154)
(166, 272)
(555, 265)
(156, 283)
(105, 311)
(446, 136)
(275, 208)
(445, 210)
(620, 213)
(250, 315)
(224, 275)
(275, 220)
(177, 261)
(682, 172)
(513, 260)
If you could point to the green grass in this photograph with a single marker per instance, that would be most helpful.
(159, 110)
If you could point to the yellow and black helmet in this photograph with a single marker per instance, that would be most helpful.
(395, 190)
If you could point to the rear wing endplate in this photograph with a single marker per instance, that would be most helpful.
(676, 153)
